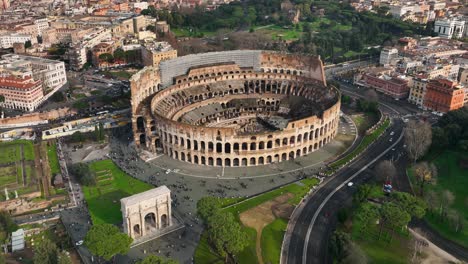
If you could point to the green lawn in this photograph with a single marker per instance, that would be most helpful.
(53, 158)
(203, 253)
(366, 141)
(104, 198)
(455, 179)
(10, 151)
(272, 238)
(365, 121)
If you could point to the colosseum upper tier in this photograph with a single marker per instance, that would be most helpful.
(234, 108)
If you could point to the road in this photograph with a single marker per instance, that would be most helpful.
(321, 206)
(308, 241)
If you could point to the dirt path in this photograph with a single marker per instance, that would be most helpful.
(263, 214)
(42, 168)
(23, 167)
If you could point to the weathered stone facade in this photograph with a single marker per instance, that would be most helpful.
(225, 114)
(146, 212)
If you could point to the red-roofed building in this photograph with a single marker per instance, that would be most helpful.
(443, 95)
(22, 93)
(390, 85)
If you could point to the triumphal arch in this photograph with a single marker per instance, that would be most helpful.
(146, 213)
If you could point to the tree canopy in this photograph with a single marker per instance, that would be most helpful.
(106, 240)
(83, 173)
(152, 259)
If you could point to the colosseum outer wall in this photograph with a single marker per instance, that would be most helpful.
(220, 146)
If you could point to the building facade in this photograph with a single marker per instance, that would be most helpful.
(418, 91)
(450, 28)
(443, 95)
(21, 92)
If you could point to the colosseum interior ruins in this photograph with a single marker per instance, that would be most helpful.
(234, 108)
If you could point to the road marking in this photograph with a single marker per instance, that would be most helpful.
(314, 218)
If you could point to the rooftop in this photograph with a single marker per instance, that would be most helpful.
(137, 198)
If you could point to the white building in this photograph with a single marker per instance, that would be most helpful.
(50, 72)
(387, 55)
(450, 28)
(7, 40)
(41, 24)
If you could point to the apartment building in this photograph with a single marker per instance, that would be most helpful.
(7, 40)
(21, 92)
(418, 90)
(443, 95)
(154, 52)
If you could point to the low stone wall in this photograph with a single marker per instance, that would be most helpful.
(35, 118)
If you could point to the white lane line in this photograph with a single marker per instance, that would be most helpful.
(314, 218)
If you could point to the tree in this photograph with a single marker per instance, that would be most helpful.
(418, 138)
(425, 172)
(413, 205)
(64, 258)
(367, 214)
(432, 200)
(439, 138)
(152, 259)
(58, 97)
(2, 98)
(386, 170)
(338, 244)
(84, 174)
(447, 200)
(7, 225)
(226, 235)
(107, 57)
(207, 206)
(354, 254)
(106, 240)
(362, 193)
(119, 54)
(394, 217)
(45, 252)
(27, 44)
(77, 137)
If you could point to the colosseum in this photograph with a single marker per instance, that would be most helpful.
(234, 108)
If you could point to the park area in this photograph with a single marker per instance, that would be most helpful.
(452, 170)
(16, 168)
(112, 184)
(264, 218)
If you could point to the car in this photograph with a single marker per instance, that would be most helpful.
(350, 184)
(391, 139)
(79, 243)
(392, 133)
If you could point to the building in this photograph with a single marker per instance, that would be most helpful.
(154, 52)
(418, 91)
(233, 108)
(50, 72)
(4, 4)
(99, 49)
(21, 92)
(7, 40)
(463, 77)
(17, 240)
(443, 95)
(146, 212)
(394, 86)
(450, 28)
(387, 55)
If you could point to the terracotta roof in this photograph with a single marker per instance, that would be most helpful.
(21, 83)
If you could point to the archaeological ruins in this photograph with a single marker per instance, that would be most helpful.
(234, 108)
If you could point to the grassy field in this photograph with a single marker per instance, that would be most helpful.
(53, 158)
(203, 253)
(112, 185)
(10, 151)
(272, 238)
(453, 178)
(366, 141)
(365, 121)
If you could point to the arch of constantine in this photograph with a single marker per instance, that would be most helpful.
(146, 212)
